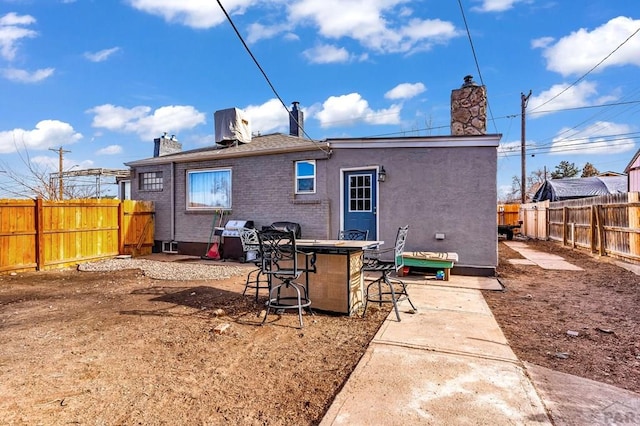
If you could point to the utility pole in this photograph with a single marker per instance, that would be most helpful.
(523, 150)
(61, 153)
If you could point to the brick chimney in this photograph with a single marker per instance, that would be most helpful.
(296, 121)
(469, 109)
(166, 145)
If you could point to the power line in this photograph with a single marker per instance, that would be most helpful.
(475, 58)
(591, 70)
(264, 74)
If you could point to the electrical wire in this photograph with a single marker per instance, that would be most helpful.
(590, 71)
(475, 58)
(264, 74)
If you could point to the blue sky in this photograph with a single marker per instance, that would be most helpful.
(103, 78)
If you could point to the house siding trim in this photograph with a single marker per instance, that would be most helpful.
(422, 142)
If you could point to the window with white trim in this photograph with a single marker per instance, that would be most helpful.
(306, 177)
(209, 189)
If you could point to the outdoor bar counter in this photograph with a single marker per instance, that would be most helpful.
(338, 284)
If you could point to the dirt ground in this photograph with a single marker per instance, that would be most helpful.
(121, 348)
(541, 311)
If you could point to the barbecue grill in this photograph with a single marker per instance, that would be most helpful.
(231, 243)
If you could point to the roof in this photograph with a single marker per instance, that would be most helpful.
(275, 143)
(632, 162)
(278, 143)
(571, 188)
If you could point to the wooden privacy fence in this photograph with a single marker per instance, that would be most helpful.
(508, 214)
(38, 234)
(608, 225)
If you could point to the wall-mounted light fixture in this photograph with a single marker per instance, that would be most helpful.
(382, 174)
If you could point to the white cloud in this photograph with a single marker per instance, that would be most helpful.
(496, 5)
(269, 117)
(542, 42)
(375, 24)
(381, 25)
(581, 50)
(145, 123)
(109, 150)
(575, 96)
(12, 31)
(510, 148)
(602, 137)
(350, 109)
(101, 55)
(192, 13)
(24, 76)
(405, 91)
(47, 133)
(258, 31)
(326, 54)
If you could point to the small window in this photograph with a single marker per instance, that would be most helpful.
(305, 177)
(209, 189)
(150, 181)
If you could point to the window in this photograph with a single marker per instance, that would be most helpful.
(150, 181)
(305, 177)
(209, 189)
(360, 193)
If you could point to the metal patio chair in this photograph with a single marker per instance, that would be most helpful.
(386, 289)
(353, 234)
(281, 260)
(252, 252)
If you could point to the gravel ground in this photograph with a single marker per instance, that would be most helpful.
(175, 271)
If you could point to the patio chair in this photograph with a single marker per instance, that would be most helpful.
(282, 260)
(251, 248)
(386, 289)
(353, 234)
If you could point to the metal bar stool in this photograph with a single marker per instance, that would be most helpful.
(354, 234)
(379, 290)
(252, 252)
(281, 260)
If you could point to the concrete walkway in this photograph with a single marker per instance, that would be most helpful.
(449, 363)
(534, 257)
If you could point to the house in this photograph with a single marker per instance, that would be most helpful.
(572, 188)
(443, 187)
(633, 173)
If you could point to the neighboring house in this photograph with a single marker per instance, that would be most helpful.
(572, 188)
(443, 187)
(633, 173)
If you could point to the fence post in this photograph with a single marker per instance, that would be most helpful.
(592, 227)
(564, 226)
(634, 225)
(601, 235)
(39, 225)
(121, 234)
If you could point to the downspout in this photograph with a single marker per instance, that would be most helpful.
(173, 201)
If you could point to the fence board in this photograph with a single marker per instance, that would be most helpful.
(37, 234)
(608, 225)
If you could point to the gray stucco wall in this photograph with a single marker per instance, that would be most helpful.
(433, 190)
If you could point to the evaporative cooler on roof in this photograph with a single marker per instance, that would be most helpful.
(232, 126)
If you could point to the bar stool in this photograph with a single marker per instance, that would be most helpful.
(251, 248)
(354, 234)
(281, 260)
(379, 290)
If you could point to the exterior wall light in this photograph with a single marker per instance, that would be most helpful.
(382, 174)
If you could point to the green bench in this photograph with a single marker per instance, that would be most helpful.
(429, 259)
